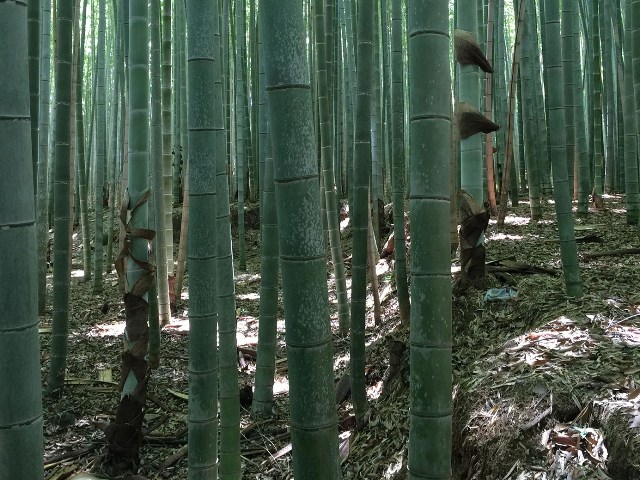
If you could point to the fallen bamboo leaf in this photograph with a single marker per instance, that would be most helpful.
(633, 394)
(180, 395)
(283, 451)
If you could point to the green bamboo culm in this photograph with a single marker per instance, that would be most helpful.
(253, 92)
(62, 197)
(155, 201)
(514, 175)
(203, 364)
(398, 164)
(262, 118)
(138, 186)
(112, 162)
(374, 179)
(471, 164)
(81, 179)
(348, 70)
(267, 330)
(540, 103)
(226, 90)
(533, 161)
(33, 29)
(157, 170)
(156, 218)
(134, 264)
(178, 31)
(359, 217)
(385, 178)
(241, 149)
(634, 46)
(630, 125)
(52, 153)
(247, 110)
(584, 177)
(182, 99)
(429, 134)
(618, 112)
(22, 453)
(166, 140)
(183, 139)
(88, 147)
(314, 433)
(519, 121)
(101, 134)
(609, 95)
(598, 144)
(568, 58)
(76, 173)
(262, 404)
(332, 39)
(43, 155)
(500, 100)
(230, 467)
(327, 161)
(561, 192)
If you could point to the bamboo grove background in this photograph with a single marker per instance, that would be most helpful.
(117, 113)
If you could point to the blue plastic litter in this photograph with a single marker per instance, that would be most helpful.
(500, 294)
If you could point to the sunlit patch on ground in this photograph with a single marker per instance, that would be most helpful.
(558, 337)
(280, 385)
(247, 277)
(112, 329)
(341, 360)
(503, 236)
(178, 324)
(394, 468)
(515, 220)
(77, 273)
(247, 330)
(248, 296)
(344, 222)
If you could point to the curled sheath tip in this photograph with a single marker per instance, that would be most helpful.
(468, 51)
(471, 121)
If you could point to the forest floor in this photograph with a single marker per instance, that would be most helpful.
(545, 386)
